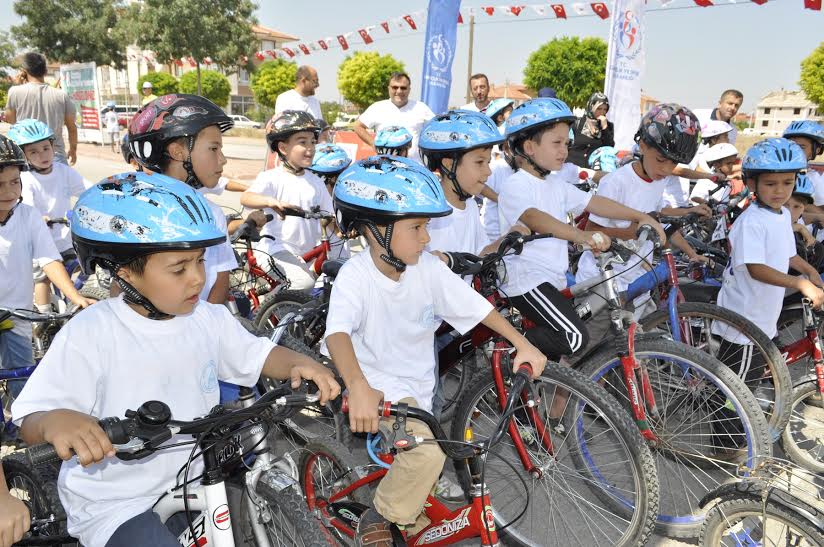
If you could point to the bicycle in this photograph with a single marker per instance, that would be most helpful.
(777, 504)
(252, 281)
(263, 495)
(79, 279)
(337, 491)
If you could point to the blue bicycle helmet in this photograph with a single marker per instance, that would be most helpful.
(809, 129)
(496, 106)
(30, 131)
(380, 190)
(392, 138)
(529, 117)
(804, 187)
(777, 155)
(604, 159)
(330, 159)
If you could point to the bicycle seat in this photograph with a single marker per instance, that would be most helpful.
(331, 268)
(695, 291)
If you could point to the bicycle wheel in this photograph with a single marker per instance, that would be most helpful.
(700, 406)
(456, 380)
(283, 515)
(751, 520)
(94, 293)
(803, 439)
(37, 488)
(703, 326)
(327, 467)
(275, 306)
(564, 506)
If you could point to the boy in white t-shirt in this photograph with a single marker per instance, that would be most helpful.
(809, 135)
(805, 243)
(48, 186)
(180, 136)
(721, 160)
(24, 239)
(292, 135)
(157, 341)
(538, 137)
(112, 128)
(385, 306)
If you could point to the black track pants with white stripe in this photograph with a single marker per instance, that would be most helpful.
(560, 331)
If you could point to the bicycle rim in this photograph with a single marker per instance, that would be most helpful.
(747, 521)
(803, 439)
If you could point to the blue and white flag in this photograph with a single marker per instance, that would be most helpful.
(625, 68)
(439, 52)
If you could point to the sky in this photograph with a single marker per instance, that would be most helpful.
(692, 55)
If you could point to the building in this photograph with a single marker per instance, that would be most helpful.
(778, 108)
(517, 92)
(647, 103)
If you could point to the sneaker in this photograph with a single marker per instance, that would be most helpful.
(446, 490)
(375, 531)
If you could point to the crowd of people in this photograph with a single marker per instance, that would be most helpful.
(445, 184)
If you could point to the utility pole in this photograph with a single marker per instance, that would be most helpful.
(469, 64)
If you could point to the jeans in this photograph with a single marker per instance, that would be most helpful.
(16, 352)
(146, 530)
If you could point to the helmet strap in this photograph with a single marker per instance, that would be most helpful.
(133, 296)
(11, 211)
(452, 175)
(286, 165)
(385, 241)
(542, 173)
(191, 178)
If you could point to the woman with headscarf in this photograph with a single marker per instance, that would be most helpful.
(591, 131)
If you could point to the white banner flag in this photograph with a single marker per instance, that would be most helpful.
(625, 68)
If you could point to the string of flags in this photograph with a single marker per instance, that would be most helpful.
(416, 21)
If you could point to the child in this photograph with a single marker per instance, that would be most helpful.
(180, 136)
(382, 320)
(292, 136)
(499, 111)
(48, 186)
(805, 244)
(763, 249)
(809, 135)
(393, 140)
(112, 126)
(721, 160)
(329, 161)
(24, 239)
(538, 137)
(14, 515)
(157, 341)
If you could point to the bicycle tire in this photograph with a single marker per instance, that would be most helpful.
(482, 395)
(807, 421)
(774, 399)
(271, 308)
(730, 512)
(455, 382)
(37, 488)
(287, 515)
(673, 461)
(94, 293)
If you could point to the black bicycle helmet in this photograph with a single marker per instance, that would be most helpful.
(671, 129)
(125, 151)
(170, 117)
(287, 124)
(12, 155)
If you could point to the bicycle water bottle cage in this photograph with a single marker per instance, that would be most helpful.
(398, 438)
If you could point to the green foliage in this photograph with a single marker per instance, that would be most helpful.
(271, 79)
(72, 30)
(812, 76)
(214, 86)
(7, 50)
(260, 114)
(363, 77)
(163, 83)
(575, 68)
(329, 110)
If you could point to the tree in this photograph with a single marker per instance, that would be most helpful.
(218, 29)
(214, 86)
(363, 77)
(271, 79)
(812, 76)
(72, 31)
(575, 68)
(330, 110)
(163, 83)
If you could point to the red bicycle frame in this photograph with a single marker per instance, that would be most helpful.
(807, 346)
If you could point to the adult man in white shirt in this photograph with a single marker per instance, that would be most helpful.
(727, 108)
(302, 97)
(479, 86)
(397, 110)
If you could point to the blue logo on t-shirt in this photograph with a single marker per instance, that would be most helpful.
(208, 378)
(428, 317)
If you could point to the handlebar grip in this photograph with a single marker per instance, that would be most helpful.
(384, 408)
(294, 212)
(40, 454)
(270, 217)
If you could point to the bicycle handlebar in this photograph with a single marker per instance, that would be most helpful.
(33, 316)
(470, 264)
(52, 221)
(313, 213)
(626, 249)
(249, 230)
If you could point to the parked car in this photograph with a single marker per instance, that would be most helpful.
(243, 121)
(124, 113)
(344, 121)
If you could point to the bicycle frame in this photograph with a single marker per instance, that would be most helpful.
(809, 345)
(320, 253)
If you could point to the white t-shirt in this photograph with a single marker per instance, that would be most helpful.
(24, 238)
(296, 235)
(675, 193)
(112, 126)
(491, 213)
(543, 260)
(292, 100)
(568, 173)
(461, 231)
(412, 116)
(219, 188)
(218, 258)
(178, 361)
(471, 106)
(51, 195)
(758, 236)
(703, 187)
(392, 324)
(627, 188)
(818, 184)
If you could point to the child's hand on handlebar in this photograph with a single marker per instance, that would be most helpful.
(74, 433)
(363, 407)
(527, 353)
(328, 387)
(279, 207)
(597, 241)
(811, 291)
(14, 519)
(649, 221)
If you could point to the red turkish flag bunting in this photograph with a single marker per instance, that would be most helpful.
(760, 2)
(559, 10)
(323, 45)
(304, 49)
(600, 10)
(207, 61)
(516, 10)
(343, 42)
(190, 59)
(385, 26)
(813, 4)
(288, 51)
(460, 18)
(489, 11)
(703, 3)
(365, 35)
(178, 62)
(408, 19)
